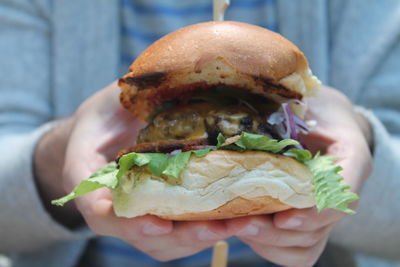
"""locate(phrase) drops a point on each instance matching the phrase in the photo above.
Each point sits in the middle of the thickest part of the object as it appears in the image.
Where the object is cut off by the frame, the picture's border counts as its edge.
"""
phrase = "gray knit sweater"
(54, 54)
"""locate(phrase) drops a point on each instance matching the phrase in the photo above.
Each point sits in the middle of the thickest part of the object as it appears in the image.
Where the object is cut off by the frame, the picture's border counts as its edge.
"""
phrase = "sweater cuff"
(29, 226)
(374, 228)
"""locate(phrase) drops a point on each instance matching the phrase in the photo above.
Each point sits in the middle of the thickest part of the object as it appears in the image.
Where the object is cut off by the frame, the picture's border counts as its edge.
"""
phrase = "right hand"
(100, 128)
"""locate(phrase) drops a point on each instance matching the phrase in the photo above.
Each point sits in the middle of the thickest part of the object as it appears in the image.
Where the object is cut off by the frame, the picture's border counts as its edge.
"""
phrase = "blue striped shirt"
(142, 23)
(145, 21)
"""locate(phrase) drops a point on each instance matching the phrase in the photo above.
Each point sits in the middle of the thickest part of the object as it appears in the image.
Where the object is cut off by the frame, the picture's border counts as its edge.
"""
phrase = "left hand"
(101, 127)
(297, 237)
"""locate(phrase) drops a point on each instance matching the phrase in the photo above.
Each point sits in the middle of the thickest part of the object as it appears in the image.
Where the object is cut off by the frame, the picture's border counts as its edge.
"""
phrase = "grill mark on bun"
(256, 64)
(181, 93)
(143, 102)
(145, 81)
(271, 87)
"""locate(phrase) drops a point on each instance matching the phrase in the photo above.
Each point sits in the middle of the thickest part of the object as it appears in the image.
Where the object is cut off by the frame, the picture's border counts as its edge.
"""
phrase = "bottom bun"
(222, 184)
(237, 207)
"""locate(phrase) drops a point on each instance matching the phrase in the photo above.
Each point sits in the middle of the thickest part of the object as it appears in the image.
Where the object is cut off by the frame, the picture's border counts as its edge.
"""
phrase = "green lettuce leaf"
(109, 175)
(159, 164)
(249, 141)
(301, 155)
(176, 164)
(156, 162)
(106, 176)
(202, 152)
(330, 190)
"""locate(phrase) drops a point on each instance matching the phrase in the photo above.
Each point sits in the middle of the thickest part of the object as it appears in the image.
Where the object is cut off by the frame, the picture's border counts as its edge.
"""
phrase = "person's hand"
(99, 129)
(297, 237)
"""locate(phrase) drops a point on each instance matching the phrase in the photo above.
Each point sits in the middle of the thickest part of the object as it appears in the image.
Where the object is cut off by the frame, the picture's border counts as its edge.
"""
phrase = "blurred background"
(54, 54)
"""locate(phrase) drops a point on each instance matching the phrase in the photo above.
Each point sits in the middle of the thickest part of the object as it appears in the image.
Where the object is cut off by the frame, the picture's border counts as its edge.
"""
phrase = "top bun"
(196, 57)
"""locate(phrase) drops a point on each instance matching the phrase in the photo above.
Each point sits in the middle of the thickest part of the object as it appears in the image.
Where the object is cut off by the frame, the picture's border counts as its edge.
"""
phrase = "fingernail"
(206, 235)
(292, 223)
(249, 230)
(152, 229)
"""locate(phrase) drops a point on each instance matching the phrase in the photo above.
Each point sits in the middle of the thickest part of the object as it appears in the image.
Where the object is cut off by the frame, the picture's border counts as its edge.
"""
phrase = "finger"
(316, 141)
(153, 235)
(187, 238)
(203, 231)
(79, 166)
(143, 226)
(100, 216)
(104, 125)
(291, 256)
(306, 219)
(262, 231)
(355, 159)
(107, 96)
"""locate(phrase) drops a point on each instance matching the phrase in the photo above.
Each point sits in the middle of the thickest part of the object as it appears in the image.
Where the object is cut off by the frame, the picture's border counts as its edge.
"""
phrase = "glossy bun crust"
(196, 57)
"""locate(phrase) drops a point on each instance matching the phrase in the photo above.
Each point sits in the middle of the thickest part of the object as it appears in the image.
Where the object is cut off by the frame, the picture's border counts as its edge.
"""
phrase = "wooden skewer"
(219, 7)
(220, 250)
(220, 254)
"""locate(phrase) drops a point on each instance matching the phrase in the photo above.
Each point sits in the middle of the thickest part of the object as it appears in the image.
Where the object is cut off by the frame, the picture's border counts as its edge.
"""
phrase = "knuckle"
(157, 256)
(310, 222)
(274, 239)
(342, 97)
(183, 243)
(163, 257)
(95, 227)
(312, 239)
(132, 235)
(308, 259)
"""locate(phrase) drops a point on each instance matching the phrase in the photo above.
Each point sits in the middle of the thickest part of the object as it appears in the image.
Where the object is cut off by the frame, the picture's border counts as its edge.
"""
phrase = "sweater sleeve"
(375, 229)
(25, 109)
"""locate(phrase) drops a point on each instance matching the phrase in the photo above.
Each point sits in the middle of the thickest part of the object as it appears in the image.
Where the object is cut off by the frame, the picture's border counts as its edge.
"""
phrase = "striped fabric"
(111, 252)
(143, 22)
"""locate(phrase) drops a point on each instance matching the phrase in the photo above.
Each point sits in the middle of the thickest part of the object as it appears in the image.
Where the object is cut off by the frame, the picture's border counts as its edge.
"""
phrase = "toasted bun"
(223, 184)
(196, 57)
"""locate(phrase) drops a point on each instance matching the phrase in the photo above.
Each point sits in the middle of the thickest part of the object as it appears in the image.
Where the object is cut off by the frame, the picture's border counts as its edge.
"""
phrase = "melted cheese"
(197, 120)
(304, 82)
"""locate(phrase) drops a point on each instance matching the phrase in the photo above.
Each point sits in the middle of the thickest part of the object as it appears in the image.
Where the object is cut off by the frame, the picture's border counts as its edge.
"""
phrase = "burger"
(223, 102)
